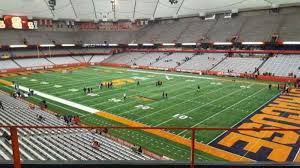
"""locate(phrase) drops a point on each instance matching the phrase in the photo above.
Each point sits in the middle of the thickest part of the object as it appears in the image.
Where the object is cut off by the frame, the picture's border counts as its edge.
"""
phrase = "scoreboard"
(17, 22)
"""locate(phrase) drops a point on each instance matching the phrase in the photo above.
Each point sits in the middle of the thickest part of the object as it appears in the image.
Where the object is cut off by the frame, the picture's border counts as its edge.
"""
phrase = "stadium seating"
(202, 62)
(8, 64)
(62, 60)
(55, 144)
(150, 58)
(249, 26)
(173, 60)
(282, 65)
(32, 62)
(125, 58)
(97, 58)
(238, 65)
(260, 27)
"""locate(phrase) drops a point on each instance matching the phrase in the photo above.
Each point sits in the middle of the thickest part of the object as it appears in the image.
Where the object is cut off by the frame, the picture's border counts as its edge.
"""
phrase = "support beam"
(155, 9)
(134, 9)
(179, 7)
(46, 2)
(15, 147)
(94, 10)
(73, 9)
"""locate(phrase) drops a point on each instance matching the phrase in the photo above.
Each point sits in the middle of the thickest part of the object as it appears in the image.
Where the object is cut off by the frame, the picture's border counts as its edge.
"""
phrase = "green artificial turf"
(221, 102)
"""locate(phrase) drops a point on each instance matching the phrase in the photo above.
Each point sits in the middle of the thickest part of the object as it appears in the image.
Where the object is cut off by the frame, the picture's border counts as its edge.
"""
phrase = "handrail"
(15, 143)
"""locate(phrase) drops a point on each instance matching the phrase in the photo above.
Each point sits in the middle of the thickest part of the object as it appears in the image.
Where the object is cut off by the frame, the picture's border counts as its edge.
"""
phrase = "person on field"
(84, 90)
(270, 86)
(163, 95)
(198, 88)
(166, 95)
(138, 83)
(124, 96)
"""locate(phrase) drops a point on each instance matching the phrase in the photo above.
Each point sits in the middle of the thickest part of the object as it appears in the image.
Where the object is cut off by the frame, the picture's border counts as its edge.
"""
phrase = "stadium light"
(68, 45)
(222, 43)
(18, 46)
(113, 45)
(148, 44)
(168, 44)
(47, 45)
(252, 43)
(133, 44)
(291, 42)
(188, 44)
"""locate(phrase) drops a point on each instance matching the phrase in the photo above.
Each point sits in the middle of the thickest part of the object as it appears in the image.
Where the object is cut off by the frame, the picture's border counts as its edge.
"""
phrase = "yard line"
(201, 106)
(64, 83)
(246, 117)
(214, 90)
(224, 109)
(168, 88)
(170, 74)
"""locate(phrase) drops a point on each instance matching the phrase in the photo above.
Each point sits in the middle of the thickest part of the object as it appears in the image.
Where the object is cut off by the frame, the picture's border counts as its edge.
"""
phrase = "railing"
(194, 145)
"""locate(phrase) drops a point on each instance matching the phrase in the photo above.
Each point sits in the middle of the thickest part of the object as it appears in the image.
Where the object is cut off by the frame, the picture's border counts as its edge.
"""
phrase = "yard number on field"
(181, 116)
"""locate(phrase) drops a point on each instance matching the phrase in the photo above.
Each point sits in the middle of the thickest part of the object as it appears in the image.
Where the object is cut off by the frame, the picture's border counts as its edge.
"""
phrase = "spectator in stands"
(6, 136)
(95, 144)
(140, 150)
(40, 118)
(1, 105)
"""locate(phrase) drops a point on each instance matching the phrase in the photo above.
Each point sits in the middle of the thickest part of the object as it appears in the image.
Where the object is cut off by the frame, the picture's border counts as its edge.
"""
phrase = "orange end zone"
(175, 138)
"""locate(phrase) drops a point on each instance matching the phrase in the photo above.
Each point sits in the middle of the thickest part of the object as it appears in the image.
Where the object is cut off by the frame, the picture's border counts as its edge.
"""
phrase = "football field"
(220, 102)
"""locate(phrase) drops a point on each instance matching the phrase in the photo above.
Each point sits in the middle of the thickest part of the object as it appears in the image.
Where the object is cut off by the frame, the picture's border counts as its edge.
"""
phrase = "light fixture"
(252, 43)
(222, 43)
(188, 44)
(68, 45)
(168, 44)
(18, 46)
(47, 45)
(291, 42)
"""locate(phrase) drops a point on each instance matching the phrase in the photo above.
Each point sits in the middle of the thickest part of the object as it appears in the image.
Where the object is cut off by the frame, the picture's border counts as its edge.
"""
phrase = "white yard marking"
(189, 111)
(139, 78)
(73, 90)
(224, 109)
(44, 83)
(33, 80)
(62, 101)
(245, 87)
(168, 78)
(114, 100)
(246, 117)
(144, 107)
(92, 94)
(214, 90)
(57, 86)
(177, 75)
(182, 117)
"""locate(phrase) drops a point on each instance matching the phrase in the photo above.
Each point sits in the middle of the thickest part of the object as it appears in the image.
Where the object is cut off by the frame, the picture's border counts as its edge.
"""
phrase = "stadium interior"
(149, 83)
